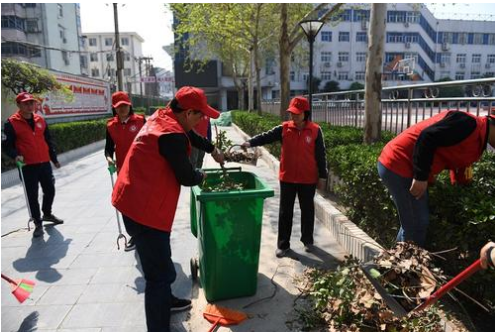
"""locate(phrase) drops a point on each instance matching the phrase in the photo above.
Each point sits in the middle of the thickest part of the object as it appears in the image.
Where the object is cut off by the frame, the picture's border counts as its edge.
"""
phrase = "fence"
(401, 106)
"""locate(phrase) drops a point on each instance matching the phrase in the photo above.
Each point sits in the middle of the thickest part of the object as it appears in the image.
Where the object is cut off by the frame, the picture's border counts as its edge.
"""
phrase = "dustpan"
(222, 316)
(21, 289)
(397, 308)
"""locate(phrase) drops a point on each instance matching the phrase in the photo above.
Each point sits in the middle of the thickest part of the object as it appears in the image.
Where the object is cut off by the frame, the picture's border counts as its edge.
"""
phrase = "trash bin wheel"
(194, 268)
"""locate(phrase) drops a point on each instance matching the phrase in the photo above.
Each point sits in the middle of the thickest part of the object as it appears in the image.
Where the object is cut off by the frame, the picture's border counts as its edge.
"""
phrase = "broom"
(222, 316)
(21, 289)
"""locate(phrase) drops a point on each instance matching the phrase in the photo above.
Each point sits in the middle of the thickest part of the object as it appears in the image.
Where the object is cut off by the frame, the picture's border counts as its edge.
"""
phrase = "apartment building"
(102, 61)
(48, 34)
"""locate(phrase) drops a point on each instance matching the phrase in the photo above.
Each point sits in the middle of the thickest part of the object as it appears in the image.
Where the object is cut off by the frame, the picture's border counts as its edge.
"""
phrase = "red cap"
(298, 105)
(194, 98)
(120, 98)
(23, 97)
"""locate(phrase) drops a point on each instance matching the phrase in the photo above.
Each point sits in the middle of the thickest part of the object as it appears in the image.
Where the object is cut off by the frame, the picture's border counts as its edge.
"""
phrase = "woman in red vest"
(451, 140)
(121, 131)
(303, 166)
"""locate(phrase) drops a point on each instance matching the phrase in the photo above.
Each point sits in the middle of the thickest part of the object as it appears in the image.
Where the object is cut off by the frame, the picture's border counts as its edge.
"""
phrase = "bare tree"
(373, 83)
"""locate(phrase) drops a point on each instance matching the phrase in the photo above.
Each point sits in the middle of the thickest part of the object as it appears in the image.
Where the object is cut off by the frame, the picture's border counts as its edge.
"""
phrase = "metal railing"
(401, 106)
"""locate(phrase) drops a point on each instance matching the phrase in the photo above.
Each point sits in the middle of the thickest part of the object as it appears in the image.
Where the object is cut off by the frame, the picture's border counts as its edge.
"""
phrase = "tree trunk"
(250, 82)
(258, 77)
(240, 99)
(284, 52)
(373, 84)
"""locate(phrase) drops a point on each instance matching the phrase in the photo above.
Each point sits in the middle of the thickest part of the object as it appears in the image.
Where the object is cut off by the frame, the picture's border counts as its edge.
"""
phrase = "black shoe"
(130, 245)
(180, 304)
(281, 252)
(53, 219)
(38, 230)
(309, 247)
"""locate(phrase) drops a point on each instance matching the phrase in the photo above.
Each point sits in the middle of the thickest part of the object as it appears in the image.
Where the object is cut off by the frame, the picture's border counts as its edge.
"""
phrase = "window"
(459, 75)
(360, 75)
(326, 36)
(360, 57)
(490, 74)
(95, 72)
(13, 48)
(34, 52)
(361, 37)
(326, 75)
(412, 17)
(84, 61)
(475, 74)
(478, 38)
(476, 58)
(490, 58)
(65, 57)
(461, 58)
(92, 41)
(13, 22)
(343, 36)
(326, 56)
(462, 38)
(29, 5)
(111, 72)
(445, 58)
(343, 56)
(491, 39)
(109, 57)
(343, 76)
(127, 57)
(292, 76)
(32, 25)
(93, 57)
(108, 41)
(60, 10)
(127, 71)
(124, 41)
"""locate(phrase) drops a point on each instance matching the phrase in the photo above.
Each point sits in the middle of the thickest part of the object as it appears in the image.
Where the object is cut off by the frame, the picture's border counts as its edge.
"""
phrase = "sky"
(153, 21)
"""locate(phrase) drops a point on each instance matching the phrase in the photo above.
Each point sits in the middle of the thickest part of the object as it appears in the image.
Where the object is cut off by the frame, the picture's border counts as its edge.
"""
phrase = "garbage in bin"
(228, 227)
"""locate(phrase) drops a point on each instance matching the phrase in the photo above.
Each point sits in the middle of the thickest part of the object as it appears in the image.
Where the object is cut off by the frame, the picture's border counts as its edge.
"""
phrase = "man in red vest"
(28, 140)
(147, 192)
(303, 167)
(451, 140)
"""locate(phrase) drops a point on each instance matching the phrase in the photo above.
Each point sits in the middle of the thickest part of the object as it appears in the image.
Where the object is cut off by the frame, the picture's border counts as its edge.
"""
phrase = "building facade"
(418, 48)
(47, 34)
(102, 61)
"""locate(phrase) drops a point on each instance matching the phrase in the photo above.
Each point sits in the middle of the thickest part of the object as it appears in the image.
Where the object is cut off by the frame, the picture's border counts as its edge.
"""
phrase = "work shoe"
(53, 219)
(309, 247)
(130, 245)
(38, 230)
(179, 304)
(281, 252)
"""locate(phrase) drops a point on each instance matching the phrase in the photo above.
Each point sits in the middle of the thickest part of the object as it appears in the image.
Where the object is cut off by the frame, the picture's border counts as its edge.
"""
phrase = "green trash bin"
(228, 228)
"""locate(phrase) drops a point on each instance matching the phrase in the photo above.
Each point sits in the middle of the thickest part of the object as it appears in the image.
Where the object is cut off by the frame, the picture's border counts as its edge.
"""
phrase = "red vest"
(298, 161)
(146, 189)
(30, 144)
(123, 134)
(202, 127)
(397, 155)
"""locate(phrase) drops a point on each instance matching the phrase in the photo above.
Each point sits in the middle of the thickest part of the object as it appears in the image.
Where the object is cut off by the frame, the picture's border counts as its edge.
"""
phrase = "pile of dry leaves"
(407, 273)
(346, 301)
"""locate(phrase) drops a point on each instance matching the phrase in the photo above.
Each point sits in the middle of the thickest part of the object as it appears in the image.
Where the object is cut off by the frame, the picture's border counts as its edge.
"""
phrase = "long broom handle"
(4, 277)
(212, 328)
(473, 268)
(20, 164)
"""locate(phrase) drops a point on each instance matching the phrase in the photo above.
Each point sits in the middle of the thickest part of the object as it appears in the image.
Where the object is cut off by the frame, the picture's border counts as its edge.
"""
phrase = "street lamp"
(311, 29)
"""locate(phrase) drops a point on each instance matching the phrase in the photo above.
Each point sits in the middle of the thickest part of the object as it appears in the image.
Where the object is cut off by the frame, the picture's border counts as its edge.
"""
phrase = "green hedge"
(460, 216)
(68, 136)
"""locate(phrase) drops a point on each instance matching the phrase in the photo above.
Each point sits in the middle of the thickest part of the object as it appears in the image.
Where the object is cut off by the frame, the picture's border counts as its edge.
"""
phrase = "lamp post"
(311, 29)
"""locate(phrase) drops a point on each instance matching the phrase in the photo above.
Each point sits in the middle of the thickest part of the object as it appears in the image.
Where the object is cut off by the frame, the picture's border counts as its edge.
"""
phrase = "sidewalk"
(83, 283)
